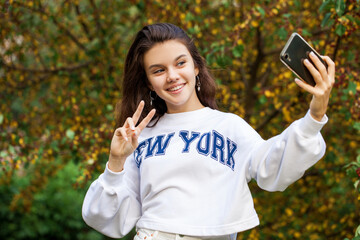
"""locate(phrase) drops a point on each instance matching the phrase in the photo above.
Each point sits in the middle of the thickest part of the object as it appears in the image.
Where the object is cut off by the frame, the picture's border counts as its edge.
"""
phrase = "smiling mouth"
(176, 88)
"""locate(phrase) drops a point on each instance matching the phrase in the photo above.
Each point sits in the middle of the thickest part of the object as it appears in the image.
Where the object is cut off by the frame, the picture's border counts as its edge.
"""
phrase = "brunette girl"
(179, 168)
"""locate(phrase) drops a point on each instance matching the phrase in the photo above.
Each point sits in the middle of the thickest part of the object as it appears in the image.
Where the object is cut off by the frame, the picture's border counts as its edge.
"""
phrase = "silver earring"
(151, 98)
(198, 84)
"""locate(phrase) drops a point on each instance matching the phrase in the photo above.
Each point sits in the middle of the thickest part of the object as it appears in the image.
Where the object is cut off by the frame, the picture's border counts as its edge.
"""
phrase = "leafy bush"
(55, 212)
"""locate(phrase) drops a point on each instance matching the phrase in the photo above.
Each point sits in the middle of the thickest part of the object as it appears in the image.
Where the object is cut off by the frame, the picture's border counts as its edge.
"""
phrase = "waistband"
(147, 234)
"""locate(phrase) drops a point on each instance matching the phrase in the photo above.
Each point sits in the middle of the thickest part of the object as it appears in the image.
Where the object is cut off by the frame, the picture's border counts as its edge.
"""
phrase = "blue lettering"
(158, 144)
(231, 149)
(138, 151)
(218, 147)
(184, 136)
(205, 149)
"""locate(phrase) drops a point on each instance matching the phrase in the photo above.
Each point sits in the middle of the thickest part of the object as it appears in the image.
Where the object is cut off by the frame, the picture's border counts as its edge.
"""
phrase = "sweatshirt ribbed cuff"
(112, 178)
(311, 127)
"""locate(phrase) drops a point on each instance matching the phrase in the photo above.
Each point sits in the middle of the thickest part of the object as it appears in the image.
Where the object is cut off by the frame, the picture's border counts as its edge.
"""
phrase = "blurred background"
(61, 66)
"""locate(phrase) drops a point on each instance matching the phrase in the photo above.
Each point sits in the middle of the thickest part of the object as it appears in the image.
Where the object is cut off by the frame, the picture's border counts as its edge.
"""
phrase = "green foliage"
(61, 63)
(55, 212)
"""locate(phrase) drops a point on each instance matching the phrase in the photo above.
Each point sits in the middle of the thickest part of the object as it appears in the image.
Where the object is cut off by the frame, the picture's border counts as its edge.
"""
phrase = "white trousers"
(147, 234)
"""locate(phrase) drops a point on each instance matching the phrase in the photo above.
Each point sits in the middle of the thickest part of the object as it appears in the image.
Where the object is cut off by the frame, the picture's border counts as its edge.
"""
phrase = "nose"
(172, 75)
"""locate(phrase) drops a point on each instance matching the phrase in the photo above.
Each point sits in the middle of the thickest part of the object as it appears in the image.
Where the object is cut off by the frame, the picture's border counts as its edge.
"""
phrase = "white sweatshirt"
(190, 173)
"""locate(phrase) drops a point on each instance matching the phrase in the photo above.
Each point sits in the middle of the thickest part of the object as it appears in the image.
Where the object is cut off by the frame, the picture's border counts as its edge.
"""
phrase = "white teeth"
(175, 88)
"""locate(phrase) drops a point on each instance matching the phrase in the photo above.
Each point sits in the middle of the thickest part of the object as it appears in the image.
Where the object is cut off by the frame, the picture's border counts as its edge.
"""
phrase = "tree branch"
(276, 112)
(29, 82)
(69, 68)
(267, 120)
(96, 17)
(54, 20)
(337, 46)
(82, 23)
(250, 95)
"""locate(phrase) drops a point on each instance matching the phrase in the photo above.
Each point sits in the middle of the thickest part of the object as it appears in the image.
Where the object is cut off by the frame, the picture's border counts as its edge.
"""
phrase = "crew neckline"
(186, 116)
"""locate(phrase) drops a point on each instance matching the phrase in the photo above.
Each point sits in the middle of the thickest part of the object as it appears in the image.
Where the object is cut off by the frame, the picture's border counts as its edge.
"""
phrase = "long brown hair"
(135, 84)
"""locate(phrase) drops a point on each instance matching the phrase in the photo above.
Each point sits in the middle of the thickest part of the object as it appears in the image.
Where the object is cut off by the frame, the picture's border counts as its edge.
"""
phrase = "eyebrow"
(159, 65)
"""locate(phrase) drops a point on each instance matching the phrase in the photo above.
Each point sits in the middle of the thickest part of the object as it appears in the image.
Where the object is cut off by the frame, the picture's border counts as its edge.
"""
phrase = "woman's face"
(171, 72)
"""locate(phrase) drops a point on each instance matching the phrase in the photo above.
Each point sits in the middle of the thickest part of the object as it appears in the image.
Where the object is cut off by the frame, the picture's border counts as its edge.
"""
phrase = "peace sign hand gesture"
(125, 138)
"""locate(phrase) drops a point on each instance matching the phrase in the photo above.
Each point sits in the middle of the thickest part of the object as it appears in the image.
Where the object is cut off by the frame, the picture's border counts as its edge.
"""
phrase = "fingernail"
(306, 61)
(126, 139)
(312, 53)
(132, 128)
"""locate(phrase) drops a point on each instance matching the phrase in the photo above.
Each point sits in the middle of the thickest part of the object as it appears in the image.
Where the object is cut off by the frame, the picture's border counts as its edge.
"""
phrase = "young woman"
(178, 168)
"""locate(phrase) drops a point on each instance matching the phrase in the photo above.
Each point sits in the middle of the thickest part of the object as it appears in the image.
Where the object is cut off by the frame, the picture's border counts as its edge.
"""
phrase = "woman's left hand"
(324, 79)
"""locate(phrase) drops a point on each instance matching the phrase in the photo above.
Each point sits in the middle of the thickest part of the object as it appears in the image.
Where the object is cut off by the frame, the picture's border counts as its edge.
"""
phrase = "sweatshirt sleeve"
(283, 159)
(112, 202)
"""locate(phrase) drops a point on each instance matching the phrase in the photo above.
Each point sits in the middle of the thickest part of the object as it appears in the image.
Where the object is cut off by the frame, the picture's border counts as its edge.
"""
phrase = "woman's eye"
(158, 71)
(181, 63)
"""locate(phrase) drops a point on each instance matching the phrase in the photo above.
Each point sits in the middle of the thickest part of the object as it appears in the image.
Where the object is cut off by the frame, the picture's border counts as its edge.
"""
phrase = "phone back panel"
(294, 53)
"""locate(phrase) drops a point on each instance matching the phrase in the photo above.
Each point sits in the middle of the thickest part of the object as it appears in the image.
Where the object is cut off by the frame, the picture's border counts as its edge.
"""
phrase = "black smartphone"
(295, 51)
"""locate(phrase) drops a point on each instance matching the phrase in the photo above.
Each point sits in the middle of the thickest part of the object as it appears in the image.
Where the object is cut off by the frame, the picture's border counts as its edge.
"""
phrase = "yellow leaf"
(274, 11)
(254, 23)
(289, 212)
(278, 105)
(268, 93)
(197, 10)
(287, 74)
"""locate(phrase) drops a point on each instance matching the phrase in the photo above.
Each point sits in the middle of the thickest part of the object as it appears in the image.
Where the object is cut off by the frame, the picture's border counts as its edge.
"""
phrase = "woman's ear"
(149, 84)
(151, 87)
(196, 71)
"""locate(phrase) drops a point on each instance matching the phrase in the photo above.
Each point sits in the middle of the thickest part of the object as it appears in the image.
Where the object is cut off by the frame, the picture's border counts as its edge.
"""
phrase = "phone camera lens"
(286, 56)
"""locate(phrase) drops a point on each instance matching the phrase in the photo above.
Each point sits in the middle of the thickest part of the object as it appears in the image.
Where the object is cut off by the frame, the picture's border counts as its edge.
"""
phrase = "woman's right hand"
(125, 138)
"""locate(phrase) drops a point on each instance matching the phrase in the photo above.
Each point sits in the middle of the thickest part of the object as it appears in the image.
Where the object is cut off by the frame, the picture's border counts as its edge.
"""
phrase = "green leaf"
(238, 50)
(357, 232)
(189, 17)
(70, 134)
(1, 118)
(297, 3)
(340, 7)
(11, 149)
(356, 184)
(109, 107)
(224, 61)
(261, 11)
(282, 33)
(325, 6)
(357, 126)
(325, 20)
(306, 33)
(340, 30)
(262, 99)
(351, 87)
(350, 56)
(287, 15)
(3, 154)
